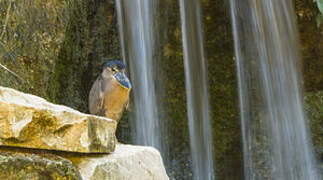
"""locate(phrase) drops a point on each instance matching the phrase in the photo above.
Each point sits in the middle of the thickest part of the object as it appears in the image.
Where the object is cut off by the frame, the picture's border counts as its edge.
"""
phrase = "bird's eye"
(113, 70)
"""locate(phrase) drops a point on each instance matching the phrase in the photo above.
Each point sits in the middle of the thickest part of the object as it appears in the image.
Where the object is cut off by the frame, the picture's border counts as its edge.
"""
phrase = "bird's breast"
(116, 96)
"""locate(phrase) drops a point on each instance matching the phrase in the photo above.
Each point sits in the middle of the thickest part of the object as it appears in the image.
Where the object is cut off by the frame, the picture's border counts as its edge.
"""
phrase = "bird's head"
(117, 69)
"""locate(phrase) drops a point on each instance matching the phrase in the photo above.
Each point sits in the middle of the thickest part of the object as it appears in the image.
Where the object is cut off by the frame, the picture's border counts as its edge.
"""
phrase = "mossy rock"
(22, 166)
(314, 109)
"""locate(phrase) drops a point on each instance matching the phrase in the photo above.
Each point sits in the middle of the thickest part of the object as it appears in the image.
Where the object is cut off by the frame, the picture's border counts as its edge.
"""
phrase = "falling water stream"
(136, 24)
(275, 137)
(196, 89)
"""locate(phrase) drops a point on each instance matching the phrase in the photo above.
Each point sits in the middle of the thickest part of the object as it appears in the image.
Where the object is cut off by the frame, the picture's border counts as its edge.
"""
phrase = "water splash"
(196, 89)
(276, 142)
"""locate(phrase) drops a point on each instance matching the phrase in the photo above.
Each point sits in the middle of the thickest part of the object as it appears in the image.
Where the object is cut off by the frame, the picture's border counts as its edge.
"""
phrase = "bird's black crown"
(115, 63)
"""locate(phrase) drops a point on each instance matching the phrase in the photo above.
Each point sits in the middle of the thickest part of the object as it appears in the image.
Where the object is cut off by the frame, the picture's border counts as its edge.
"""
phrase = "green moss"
(21, 166)
(314, 109)
(90, 40)
(311, 45)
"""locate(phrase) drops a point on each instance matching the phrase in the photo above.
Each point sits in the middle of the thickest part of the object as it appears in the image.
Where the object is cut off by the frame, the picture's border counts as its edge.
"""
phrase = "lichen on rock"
(31, 122)
(22, 166)
(314, 110)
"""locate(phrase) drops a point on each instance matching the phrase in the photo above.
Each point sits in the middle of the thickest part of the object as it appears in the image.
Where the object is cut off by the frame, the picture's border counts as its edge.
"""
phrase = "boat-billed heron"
(109, 94)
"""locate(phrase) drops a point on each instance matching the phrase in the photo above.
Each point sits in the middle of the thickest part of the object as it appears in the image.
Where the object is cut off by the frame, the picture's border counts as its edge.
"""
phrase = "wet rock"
(127, 162)
(31, 122)
(314, 111)
(22, 166)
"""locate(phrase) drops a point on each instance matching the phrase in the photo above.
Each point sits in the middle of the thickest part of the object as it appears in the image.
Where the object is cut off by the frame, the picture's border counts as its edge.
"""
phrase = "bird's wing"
(96, 97)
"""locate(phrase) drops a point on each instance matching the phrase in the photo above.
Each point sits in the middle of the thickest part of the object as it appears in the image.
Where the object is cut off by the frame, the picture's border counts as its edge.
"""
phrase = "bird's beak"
(123, 79)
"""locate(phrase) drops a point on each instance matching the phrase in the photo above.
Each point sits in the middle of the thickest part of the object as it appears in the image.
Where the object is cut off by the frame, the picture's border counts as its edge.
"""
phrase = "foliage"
(319, 17)
(319, 5)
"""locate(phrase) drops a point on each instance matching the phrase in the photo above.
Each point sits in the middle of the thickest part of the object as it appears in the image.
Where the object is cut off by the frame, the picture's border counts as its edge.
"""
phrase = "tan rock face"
(32, 122)
(23, 166)
(127, 163)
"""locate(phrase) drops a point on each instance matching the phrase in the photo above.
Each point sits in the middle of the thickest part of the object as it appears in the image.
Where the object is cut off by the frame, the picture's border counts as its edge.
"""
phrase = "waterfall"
(196, 89)
(138, 40)
(275, 136)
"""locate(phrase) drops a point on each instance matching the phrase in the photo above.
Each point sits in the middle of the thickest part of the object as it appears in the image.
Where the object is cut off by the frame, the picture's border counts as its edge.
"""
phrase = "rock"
(314, 110)
(127, 162)
(22, 166)
(32, 122)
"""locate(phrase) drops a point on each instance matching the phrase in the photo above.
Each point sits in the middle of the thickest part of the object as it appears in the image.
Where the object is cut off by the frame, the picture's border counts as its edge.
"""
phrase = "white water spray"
(137, 35)
(196, 89)
(276, 143)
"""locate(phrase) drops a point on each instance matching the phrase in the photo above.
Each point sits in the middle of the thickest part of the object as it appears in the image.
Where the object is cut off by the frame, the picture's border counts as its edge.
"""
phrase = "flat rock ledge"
(32, 122)
(128, 162)
(23, 166)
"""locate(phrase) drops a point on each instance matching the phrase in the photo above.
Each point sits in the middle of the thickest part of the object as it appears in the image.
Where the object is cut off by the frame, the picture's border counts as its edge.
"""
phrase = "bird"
(109, 94)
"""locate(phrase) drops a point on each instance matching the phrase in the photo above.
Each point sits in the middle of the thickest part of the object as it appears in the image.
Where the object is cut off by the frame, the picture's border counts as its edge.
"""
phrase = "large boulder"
(32, 122)
(127, 162)
(22, 166)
